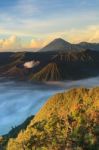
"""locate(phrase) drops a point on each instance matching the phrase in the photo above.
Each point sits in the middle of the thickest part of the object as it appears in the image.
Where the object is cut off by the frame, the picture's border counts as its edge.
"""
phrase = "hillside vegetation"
(68, 121)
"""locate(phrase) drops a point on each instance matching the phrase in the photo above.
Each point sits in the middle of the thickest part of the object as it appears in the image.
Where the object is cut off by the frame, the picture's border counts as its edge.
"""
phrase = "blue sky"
(33, 23)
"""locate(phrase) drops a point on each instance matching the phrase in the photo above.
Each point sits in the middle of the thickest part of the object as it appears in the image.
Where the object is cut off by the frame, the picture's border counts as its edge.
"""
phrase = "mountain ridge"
(70, 61)
(60, 44)
(70, 65)
(88, 45)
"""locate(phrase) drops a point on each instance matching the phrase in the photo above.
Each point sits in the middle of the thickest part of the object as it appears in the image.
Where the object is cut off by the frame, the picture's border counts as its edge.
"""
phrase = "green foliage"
(67, 121)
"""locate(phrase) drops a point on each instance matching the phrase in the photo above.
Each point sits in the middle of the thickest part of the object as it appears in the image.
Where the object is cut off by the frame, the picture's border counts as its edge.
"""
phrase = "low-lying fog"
(18, 100)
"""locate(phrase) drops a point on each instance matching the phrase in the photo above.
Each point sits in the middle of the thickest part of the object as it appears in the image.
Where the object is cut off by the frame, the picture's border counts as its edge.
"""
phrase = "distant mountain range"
(91, 46)
(61, 45)
(59, 60)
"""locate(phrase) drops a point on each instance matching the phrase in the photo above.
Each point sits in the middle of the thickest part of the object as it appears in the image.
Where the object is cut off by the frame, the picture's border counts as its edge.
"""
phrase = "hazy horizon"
(31, 24)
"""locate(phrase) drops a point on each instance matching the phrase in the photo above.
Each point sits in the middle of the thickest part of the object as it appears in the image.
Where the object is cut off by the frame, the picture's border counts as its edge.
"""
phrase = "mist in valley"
(19, 100)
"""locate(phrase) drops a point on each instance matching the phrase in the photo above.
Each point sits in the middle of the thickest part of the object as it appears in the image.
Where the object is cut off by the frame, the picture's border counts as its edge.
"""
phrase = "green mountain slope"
(68, 120)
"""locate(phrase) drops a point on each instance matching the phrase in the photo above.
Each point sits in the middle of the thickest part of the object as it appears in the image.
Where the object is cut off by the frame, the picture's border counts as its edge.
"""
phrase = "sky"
(26, 24)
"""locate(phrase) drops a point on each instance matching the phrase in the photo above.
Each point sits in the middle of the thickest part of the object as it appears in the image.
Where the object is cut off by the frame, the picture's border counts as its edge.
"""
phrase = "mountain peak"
(60, 44)
(60, 40)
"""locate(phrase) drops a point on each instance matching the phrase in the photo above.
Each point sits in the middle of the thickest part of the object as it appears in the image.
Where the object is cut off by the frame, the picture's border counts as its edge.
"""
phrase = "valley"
(28, 81)
(49, 64)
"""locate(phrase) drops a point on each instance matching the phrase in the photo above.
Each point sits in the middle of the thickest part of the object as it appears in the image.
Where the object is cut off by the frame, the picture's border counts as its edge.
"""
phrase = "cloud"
(31, 64)
(94, 33)
(19, 21)
(89, 34)
(26, 8)
(11, 42)
(36, 43)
